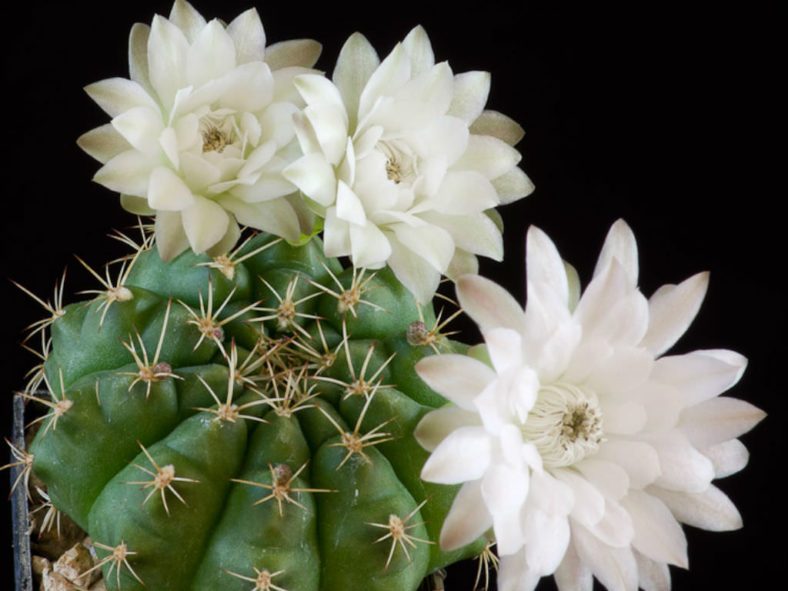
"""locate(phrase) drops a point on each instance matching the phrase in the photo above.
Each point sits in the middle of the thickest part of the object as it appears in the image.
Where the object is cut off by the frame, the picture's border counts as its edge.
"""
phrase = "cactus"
(245, 420)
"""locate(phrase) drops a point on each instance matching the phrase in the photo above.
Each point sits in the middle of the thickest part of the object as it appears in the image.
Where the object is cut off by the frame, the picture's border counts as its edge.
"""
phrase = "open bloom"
(404, 163)
(200, 133)
(581, 444)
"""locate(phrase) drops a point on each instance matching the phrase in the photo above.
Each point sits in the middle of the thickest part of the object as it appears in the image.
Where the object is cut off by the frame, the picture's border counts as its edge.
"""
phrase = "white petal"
(573, 574)
(547, 539)
(210, 56)
(314, 177)
(171, 240)
(489, 304)
(496, 124)
(608, 477)
(657, 533)
(614, 567)
(545, 268)
(457, 377)
(653, 575)
(727, 457)
(432, 244)
(276, 216)
(127, 173)
(116, 95)
(467, 519)
(293, 53)
(504, 347)
(470, 95)
(413, 272)
(719, 419)
(639, 459)
(464, 455)
(684, 468)
(700, 375)
(336, 235)
(620, 245)
(475, 233)
(514, 574)
(205, 223)
(437, 424)
(138, 56)
(167, 51)
(356, 62)
(136, 205)
(671, 310)
(615, 528)
(167, 191)
(246, 31)
(589, 505)
(512, 186)
(711, 509)
(465, 192)
(140, 126)
(103, 143)
(417, 46)
(184, 16)
(329, 123)
(489, 156)
(370, 247)
(392, 73)
(612, 311)
(349, 206)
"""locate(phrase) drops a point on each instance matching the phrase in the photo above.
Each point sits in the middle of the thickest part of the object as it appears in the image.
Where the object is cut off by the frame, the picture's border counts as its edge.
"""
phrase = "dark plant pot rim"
(23, 572)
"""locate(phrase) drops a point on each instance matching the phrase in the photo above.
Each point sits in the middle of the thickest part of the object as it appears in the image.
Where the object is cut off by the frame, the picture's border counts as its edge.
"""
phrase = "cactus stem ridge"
(262, 582)
(113, 291)
(296, 396)
(226, 263)
(59, 406)
(118, 557)
(25, 461)
(398, 532)
(163, 479)
(149, 371)
(349, 298)
(55, 310)
(228, 411)
(281, 479)
(419, 335)
(354, 441)
(487, 559)
(286, 312)
(207, 321)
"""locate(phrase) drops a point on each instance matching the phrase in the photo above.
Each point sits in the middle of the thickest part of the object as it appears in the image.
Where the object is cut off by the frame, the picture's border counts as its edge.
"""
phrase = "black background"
(655, 112)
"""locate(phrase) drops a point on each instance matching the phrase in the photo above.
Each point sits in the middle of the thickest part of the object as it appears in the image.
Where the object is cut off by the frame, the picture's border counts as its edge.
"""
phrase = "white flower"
(582, 445)
(404, 163)
(200, 133)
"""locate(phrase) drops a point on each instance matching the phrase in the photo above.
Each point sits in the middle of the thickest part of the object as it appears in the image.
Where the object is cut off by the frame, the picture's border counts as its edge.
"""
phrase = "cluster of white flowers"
(396, 160)
(577, 441)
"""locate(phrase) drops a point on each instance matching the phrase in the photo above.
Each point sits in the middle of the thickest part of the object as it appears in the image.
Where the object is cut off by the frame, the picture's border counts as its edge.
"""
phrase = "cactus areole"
(246, 422)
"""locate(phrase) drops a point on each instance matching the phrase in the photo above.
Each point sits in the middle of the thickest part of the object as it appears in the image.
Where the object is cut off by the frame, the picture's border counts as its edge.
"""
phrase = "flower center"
(214, 139)
(565, 424)
(401, 163)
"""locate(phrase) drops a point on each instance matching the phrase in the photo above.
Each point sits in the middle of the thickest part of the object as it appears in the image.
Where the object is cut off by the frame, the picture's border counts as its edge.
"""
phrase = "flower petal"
(671, 310)
(711, 509)
(467, 519)
(457, 377)
(719, 419)
(657, 533)
(464, 455)
(489, 304)
(248, 36)
(437, 424)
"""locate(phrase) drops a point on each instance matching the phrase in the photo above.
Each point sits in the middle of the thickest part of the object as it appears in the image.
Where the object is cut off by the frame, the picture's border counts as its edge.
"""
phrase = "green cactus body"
(246, 422)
